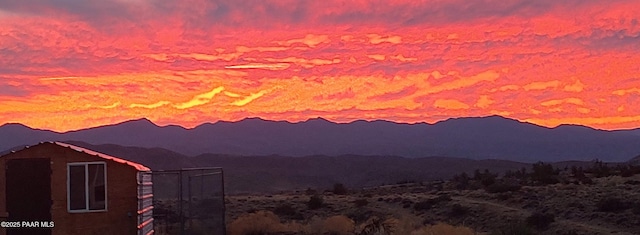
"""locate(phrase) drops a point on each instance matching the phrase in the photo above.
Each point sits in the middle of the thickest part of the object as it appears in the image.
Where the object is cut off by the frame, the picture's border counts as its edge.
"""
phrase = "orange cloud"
(622, 92)
(207, 57)
(277, 66)
(311, 40)
(248, 99)
(571, 100)
(506, 88)
(231, 94)
(200, 99)
(450, 104)
(244, 49)
(591, 121)
(462, 82)
(150, 106)
(74, 61)
(114, 105)
(377, 57)
(377, 39)
(541, 85)
(575, 87)
(484, 102)
(306, 63)
(583, 110)
(403, 59)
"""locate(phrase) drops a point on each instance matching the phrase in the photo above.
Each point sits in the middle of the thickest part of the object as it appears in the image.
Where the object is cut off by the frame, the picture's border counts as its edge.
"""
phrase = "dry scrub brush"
(443, 229)
(266, 222)
(334, 225)
(260, 222)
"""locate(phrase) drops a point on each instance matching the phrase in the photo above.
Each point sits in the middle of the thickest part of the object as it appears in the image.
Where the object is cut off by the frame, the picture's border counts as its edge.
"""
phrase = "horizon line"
(315, 118)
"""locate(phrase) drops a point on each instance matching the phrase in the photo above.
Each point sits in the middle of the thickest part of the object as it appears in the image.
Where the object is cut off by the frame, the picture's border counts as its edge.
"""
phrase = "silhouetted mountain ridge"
(492, 137)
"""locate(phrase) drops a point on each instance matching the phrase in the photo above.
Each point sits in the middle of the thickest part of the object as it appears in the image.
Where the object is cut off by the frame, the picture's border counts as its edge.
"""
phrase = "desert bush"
(427, 204)
(293, 227)
(261, 222)
(502, 187)
(443, 229)
(310, 192)
(599, 169)
(361, 202)
(517, 228)
(315, 202)
(632, 182)
(334, 225)
(486, 178)
(423, 205)
(628, 170)
(504, 196)
(461, 181)
(287, 211)
(611, 204)
(361, 215)
(338, 225)
(377, 226)
(284, 210)
(314, 226)
(544, 174)
(636, 208)
(509, 174)
(442, 198)
(406, 182)
(339, 189)
(586, 180)
(540, 220)
(577, 172)
(458, 210)
(521, 174)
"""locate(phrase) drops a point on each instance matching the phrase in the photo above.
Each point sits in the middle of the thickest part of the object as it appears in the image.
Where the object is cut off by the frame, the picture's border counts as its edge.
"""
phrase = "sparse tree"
(339, 189)
(461, 181)
(315, 202)
(544, 173)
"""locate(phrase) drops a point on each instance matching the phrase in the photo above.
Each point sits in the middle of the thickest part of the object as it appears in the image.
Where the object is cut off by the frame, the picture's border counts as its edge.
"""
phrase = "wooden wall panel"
(120, 217)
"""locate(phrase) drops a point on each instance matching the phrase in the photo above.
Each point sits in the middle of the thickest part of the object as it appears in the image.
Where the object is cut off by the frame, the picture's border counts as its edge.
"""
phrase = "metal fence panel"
(189, 201)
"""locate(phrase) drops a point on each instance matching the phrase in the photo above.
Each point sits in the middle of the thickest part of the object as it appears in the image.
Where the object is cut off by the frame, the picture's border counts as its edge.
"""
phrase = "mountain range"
(492, 137)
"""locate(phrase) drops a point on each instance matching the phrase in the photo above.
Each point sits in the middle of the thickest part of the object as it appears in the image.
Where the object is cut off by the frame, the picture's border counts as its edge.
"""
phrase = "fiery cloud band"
(89, 63)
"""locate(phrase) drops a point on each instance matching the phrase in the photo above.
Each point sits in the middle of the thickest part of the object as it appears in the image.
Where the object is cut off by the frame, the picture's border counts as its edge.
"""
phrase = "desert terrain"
(596, 200)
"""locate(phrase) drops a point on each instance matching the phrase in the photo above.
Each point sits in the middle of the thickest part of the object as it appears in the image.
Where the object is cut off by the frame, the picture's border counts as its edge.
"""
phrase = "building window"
(86, 187)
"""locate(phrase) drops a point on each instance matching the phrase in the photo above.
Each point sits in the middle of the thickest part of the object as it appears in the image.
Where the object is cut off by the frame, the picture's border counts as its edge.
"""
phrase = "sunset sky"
(67, 65)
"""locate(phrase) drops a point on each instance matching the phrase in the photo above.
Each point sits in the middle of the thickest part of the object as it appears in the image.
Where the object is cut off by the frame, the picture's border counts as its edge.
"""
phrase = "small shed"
(58, 188)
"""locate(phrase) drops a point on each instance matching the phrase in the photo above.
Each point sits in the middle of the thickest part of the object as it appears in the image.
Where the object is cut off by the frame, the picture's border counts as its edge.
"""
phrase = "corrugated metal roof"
(138, 166)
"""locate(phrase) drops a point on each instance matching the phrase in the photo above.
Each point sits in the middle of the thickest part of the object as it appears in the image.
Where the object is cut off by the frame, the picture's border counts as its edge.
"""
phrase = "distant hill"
(492, 137)
(252, 174)
(255, 174)
(635, 161)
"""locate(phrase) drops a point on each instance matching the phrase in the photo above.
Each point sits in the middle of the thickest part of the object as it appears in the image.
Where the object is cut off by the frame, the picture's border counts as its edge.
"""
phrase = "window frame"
(86, 187)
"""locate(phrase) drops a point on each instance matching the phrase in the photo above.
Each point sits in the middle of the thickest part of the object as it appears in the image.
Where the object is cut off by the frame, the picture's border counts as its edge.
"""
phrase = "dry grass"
(573, 204)
(256, 223)
(339, 225)
(443, 229)
(266, 222)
